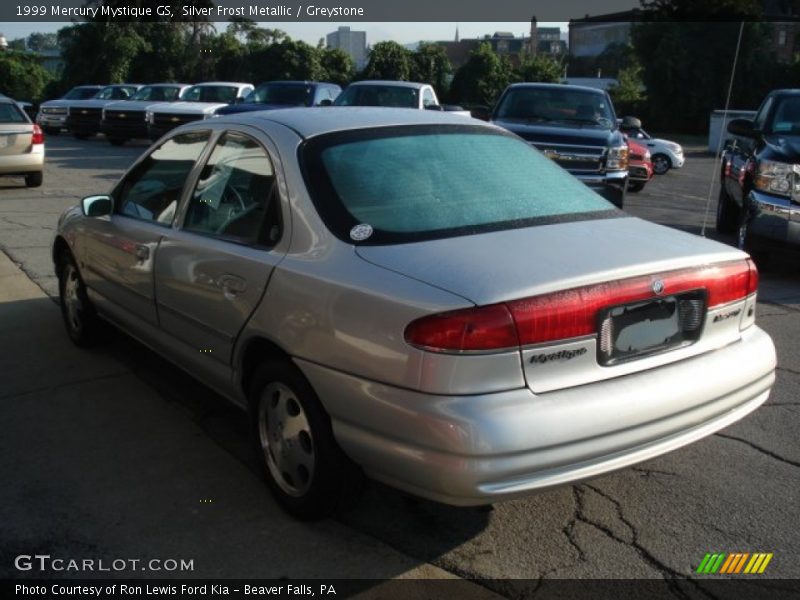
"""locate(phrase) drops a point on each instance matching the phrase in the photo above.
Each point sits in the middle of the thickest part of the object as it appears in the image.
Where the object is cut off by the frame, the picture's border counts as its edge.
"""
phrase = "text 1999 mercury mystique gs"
(423, 296)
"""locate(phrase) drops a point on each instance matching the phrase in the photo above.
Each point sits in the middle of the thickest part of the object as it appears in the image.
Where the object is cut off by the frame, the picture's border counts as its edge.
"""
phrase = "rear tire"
(81, 136)
(305, 469)
(51, 130)
(34, 179)
(635, 186)
(728, 213)
(83, 325)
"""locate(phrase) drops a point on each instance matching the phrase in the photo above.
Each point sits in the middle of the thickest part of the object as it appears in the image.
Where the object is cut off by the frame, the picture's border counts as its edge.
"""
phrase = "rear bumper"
(17, 164)
(774, 217)
(471, 450)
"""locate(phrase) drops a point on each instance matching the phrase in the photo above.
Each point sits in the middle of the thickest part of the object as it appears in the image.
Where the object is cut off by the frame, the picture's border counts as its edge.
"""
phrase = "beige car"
(21, 144)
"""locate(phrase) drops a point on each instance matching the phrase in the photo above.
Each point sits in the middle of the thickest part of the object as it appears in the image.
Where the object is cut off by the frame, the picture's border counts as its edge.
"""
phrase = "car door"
(212, 271)
(119, 251)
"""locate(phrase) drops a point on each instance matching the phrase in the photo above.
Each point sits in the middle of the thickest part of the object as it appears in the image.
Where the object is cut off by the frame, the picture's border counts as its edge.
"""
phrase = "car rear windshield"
(290, 95)
(379, 95)
(409, 183)
(11, 113)
(556, 105)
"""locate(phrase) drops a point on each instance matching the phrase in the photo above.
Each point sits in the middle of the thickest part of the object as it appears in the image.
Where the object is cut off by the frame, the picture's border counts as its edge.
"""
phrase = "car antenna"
(715, 170)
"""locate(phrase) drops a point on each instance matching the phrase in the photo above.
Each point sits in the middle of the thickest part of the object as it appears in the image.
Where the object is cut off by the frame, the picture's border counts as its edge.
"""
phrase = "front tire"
(117, 141)
(635, 186)
(661, 163)
(728, 212)
(305, 469)
(83, 325)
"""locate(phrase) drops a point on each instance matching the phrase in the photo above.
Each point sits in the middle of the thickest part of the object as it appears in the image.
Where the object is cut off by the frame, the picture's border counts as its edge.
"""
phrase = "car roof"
(209, 83)
(406, 84)
(556, 86)
(310, 122)
(6, 100)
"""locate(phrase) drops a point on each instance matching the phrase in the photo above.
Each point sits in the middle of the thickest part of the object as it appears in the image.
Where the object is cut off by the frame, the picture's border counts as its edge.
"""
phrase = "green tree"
(429, 64)
(17, 44)
(337, 66)
(289, 59)
(98, 52)
(22, 76)
(42, 41)
(388, 60)
(482, 78)
(540, 67)
(682, 88)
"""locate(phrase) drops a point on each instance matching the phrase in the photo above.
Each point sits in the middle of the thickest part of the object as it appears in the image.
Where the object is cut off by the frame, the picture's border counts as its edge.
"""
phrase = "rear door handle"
(231, 285)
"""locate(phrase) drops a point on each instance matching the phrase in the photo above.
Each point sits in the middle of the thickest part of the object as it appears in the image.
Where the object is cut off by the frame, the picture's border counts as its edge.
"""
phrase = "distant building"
(352, 42)
(3, 42)
(542, 40)
(52, 61)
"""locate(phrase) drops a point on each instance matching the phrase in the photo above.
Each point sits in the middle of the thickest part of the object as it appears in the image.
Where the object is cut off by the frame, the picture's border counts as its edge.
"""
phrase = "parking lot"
(113, 452)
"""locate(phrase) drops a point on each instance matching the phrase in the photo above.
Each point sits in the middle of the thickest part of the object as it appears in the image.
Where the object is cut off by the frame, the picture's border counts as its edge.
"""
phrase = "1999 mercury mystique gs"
(424, 296)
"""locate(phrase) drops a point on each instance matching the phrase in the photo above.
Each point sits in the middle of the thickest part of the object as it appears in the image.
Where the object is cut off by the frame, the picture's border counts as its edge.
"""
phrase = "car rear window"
(379, 95)
(422, 182)
(11, 113)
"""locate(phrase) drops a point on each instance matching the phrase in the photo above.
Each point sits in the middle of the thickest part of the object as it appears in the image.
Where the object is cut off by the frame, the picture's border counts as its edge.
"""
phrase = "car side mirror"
(483, 113)
(325, 102)
(742, 128)
(97, 206)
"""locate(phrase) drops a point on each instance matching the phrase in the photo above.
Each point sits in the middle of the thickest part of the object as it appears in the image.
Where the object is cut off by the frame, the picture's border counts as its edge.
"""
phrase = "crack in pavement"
(670, 575)
(650, 472)
(759, 449)
(63, 384)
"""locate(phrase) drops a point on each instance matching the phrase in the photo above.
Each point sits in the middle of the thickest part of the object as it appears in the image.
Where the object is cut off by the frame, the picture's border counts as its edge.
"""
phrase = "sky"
(403, 33)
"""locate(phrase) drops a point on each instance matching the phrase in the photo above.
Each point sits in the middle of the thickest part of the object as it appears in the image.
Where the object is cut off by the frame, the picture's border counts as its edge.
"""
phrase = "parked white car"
(197, 103)
(395, 94)
(665, 154)
(52, 115)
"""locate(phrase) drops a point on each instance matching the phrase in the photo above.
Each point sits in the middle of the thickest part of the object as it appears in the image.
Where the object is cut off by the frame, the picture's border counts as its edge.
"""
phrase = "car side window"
(236, 196)
(151, 191)
(427, 98)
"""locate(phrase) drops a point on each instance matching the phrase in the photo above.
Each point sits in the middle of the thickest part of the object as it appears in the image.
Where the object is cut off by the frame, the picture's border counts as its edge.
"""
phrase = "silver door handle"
(142, 252)
(232, 284)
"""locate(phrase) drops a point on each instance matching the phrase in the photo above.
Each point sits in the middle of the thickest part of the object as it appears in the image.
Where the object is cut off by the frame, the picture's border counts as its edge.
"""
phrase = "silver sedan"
(417, 296)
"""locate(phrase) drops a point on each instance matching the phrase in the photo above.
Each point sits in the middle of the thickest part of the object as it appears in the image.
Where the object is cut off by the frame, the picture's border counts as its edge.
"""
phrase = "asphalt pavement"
(114, 452)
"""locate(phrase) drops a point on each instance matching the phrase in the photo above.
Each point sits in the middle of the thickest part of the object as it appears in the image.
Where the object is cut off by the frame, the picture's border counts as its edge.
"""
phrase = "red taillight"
(572, 313)
(472, 329)
(38, 135)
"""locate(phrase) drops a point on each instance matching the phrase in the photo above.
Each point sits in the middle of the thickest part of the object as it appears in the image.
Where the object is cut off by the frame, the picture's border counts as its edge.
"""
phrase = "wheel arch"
(60, 248)
(254, 351)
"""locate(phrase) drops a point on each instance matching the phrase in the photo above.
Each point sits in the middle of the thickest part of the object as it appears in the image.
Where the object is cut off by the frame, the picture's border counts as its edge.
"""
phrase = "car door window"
(761, 118)
(236, 196)
(151, 191)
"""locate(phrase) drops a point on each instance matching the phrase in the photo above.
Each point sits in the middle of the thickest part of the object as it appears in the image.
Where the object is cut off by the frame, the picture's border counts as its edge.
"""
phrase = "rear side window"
(421, 183)
(236, 196)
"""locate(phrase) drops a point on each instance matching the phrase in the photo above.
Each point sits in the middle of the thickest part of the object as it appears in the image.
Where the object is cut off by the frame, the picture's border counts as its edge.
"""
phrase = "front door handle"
(231, 285)
(142, 252)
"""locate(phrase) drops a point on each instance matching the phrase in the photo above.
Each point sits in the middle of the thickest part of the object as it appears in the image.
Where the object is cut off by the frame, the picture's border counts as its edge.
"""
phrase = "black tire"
(83, 325)
(51, 130)
(635, 186)
(34, 179)
(81, 136)
(728, 212)
(752, 244)
(305, 469)
(117, 141)
(661, 163)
